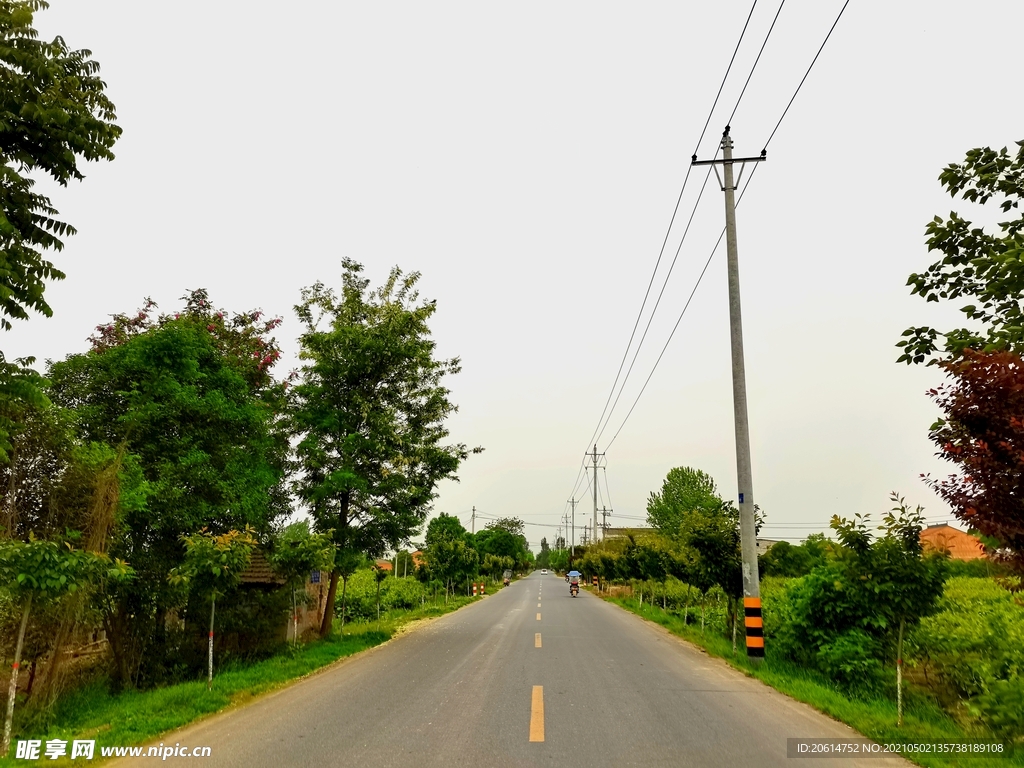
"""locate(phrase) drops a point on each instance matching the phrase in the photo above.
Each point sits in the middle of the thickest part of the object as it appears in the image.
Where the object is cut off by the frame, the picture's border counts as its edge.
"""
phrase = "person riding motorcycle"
(573, 577)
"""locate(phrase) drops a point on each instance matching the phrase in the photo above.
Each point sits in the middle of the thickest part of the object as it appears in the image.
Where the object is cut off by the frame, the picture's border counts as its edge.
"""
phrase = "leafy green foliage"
(369, 412)
(986, 269)
(785, 559)
(221, 467)
(21, 390)
(47, 569)
(298, 552)
(973, 639)
(53, 113)
(444, 527)
(850, 610)
(684, 490)
(214, 562)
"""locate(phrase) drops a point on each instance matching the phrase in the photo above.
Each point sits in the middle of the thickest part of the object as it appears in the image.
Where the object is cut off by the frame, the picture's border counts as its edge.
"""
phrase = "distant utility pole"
(594, 456)
(572, 551)
(604, 521)
(472, 521)
(748, 533)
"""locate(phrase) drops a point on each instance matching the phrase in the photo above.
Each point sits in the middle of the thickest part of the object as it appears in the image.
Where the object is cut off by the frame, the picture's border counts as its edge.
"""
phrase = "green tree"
(544, 557)
(21, 391)
(40, 572)
(852, 614)
(54, 114)
(445, 527)
(297, 553)
(450, 561)
(369, 413)
(684, 490)
(189, 400)
(213, 564)
(788, 560)
(980, 267)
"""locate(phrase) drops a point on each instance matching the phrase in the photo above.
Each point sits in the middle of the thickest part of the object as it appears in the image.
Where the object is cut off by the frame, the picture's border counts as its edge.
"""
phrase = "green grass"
(923, 719)
(138, 717)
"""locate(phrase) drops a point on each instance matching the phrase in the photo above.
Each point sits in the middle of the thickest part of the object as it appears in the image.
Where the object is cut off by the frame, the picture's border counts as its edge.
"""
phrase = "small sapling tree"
(296, 555)
(213, 564)
(42, 571)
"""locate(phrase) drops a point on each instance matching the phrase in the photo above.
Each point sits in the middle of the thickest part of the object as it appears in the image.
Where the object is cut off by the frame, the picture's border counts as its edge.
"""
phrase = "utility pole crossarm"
(723, 161)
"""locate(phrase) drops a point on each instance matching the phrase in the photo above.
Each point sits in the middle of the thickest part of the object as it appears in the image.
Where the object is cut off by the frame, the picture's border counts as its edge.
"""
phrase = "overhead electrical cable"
(749, 178)
(804, 78)
(751, 73)
(657, 303)
(668, 231)
(681, 314)
(602, 421)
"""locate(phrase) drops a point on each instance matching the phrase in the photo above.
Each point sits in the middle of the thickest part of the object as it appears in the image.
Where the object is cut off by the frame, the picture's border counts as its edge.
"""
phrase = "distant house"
(621, 533)
(763, 545)
(958, 544)
(385, 565)
(260, 575)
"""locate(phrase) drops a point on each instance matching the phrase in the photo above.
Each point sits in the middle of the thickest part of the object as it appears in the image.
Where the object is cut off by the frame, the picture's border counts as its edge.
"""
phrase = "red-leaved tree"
(982, 432)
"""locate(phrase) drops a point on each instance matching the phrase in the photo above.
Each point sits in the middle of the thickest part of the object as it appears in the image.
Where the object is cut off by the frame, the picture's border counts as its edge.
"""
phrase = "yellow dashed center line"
(538, 616)
(536, 640)
(537, 714)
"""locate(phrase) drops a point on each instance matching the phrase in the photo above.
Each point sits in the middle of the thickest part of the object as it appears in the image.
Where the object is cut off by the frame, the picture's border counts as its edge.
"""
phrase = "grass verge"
(923, 720)
(138, 717)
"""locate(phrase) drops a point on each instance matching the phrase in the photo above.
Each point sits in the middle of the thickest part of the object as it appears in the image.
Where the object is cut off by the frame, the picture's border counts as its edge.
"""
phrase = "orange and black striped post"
(755, 627)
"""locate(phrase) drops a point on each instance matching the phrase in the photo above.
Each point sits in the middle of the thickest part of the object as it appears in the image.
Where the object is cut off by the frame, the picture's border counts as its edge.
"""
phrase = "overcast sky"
(526, 158)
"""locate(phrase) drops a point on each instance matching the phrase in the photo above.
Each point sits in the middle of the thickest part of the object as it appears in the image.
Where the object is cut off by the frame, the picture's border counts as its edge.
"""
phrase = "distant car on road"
(543, 570)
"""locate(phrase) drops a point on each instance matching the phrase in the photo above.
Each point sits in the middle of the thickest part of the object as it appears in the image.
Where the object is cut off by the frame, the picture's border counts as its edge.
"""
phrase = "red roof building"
(945, 538)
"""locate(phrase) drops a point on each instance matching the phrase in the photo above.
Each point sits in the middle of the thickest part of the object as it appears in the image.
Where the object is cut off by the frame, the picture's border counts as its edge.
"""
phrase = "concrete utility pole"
(604, 521)
(745, 483)
(472, 522)
(594, 456)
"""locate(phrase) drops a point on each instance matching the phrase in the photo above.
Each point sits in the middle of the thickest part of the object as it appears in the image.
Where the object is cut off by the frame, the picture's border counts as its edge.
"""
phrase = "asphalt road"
(526, 677)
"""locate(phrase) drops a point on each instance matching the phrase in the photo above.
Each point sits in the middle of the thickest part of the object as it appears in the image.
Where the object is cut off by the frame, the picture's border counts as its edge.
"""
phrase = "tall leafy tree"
(981, 268)
(189, 399)
(369, 413)
(54, 113)
(684, 490)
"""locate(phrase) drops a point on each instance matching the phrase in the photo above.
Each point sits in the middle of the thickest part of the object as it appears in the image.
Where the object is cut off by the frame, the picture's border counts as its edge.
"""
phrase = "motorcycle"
(574, 589)
(506, 582)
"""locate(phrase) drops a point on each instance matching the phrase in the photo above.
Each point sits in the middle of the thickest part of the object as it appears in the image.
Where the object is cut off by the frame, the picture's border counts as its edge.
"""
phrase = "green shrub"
(851, 659)
(974, 639)
(1002, 709)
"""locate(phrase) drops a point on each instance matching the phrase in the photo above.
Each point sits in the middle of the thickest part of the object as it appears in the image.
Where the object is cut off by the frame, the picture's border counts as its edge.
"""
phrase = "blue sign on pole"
(741, 498)
(314, 577)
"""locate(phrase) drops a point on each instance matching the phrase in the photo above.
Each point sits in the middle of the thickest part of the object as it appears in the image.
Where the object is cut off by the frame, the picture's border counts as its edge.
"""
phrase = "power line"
(661, 253)
(751, 74)
(657, 303)
(679, 320)
(801, 85)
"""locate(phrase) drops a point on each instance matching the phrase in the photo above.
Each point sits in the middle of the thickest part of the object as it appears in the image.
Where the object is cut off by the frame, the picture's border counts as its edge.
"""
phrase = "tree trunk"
(378, 605)
(295, 619)
(344, 591)
(209, 662)
(899, 674)
(332, 592)
(13, 687)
